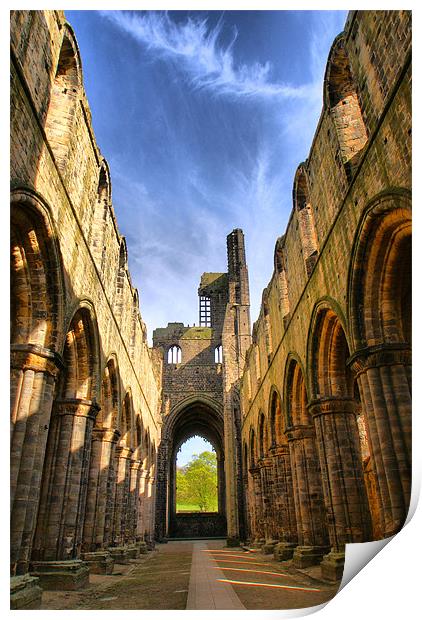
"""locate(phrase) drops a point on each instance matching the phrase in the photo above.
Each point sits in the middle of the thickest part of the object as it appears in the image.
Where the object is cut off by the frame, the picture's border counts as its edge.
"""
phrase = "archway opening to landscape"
(196, 476)
(201, 513)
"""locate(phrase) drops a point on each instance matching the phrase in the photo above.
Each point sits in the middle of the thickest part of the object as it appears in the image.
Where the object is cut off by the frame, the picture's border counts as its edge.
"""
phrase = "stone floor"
(199, 575)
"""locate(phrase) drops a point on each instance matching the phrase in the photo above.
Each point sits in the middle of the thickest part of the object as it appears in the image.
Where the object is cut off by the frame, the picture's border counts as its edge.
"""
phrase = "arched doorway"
(196, 476)
(197, 417)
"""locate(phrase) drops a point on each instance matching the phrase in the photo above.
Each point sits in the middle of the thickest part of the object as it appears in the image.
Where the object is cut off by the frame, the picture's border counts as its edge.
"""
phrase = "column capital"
(35, 357)
(266, 461)
(300, 431)
(278, 450)
(255, 471)
(332, 405)
(124, 452)
(78, 407)
(110, 435)
(386, 354)
(135, 464)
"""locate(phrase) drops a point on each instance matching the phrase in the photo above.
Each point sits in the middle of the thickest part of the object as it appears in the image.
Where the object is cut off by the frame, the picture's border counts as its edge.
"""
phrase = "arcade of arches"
(309, 412)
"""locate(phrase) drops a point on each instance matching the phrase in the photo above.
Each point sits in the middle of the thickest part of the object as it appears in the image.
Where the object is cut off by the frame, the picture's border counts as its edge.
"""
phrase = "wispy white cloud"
(197, 50)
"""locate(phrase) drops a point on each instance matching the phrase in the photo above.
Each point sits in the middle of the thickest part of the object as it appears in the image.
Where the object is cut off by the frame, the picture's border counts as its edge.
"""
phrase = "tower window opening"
(174, 355)
(218, 354)
(205, 311)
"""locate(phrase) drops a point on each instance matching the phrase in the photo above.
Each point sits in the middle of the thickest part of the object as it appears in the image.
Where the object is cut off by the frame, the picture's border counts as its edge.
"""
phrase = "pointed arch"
(276, 419)
(120, 279)
(65, 93)
(174, 355)
(134, 322)
(329, 352)
(379, 291)
(295, 394)
(126, 427)
(99, 219)
(262, 436)
(267, 325)
(146, 449)
(109, 416)
(36, 274)
(342, 101)
(280, 268)
(81, 355)
(138, 440)
(252, 449)
(218, 354)
(305, 215)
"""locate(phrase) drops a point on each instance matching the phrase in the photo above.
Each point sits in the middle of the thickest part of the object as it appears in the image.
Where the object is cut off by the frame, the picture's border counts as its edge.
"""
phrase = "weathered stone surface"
(66, 575)
(85, 386)
(328, 372)
(25, 592)
(310, 417)
(99, 562)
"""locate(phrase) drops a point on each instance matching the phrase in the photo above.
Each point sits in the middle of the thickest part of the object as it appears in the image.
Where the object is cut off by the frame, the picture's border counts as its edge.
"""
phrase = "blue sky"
(194, 445)
(203, 117)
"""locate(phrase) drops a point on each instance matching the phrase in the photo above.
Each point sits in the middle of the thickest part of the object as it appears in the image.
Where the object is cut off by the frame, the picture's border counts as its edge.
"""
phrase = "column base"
(119, 554)
(305, 556)
(332, 566)
(61, 575)
(25, 592)
(99, 562)
(269, 546)
(133, 552)
(143, 547)
(232, 542)
(284, 551)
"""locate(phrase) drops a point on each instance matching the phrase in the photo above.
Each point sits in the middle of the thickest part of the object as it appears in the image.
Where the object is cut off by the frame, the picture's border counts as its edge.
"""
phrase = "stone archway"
(197, 416)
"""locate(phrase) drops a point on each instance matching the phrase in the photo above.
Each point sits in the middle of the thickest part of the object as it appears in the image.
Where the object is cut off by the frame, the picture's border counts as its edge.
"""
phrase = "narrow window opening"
(174, 355)
(218, 354)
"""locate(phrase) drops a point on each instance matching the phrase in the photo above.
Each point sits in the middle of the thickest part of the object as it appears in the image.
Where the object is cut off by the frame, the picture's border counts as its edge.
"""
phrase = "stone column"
(246, 505)
(266, 470)
(98, 500)
(162, 524)
(34, 372)
(384, 377)
(284, 503)
(346, 503)
(58, 538)
(140, 503)
(123, 457)
(258, 526)
(143, 504)
(152, 512)
(147, 505)
(133, 506)
(221, 485)
(307, 489)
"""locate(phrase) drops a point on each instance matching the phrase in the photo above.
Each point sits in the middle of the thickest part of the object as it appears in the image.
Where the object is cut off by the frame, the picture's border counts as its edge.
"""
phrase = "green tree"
(197, 482)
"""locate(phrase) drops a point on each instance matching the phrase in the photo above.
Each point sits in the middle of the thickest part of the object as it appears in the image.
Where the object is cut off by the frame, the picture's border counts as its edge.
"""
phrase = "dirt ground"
(160, 580)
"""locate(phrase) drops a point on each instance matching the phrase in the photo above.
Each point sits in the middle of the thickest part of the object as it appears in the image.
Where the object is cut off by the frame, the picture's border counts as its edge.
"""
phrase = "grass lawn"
(193, 508)
(187, 508)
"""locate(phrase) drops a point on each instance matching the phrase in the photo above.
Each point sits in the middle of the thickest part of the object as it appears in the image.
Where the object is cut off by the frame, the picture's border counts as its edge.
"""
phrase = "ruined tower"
(201, 369)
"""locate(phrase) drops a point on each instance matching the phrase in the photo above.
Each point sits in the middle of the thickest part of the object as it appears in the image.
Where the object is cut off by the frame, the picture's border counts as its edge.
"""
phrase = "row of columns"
(309, 494)
(79, 500)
